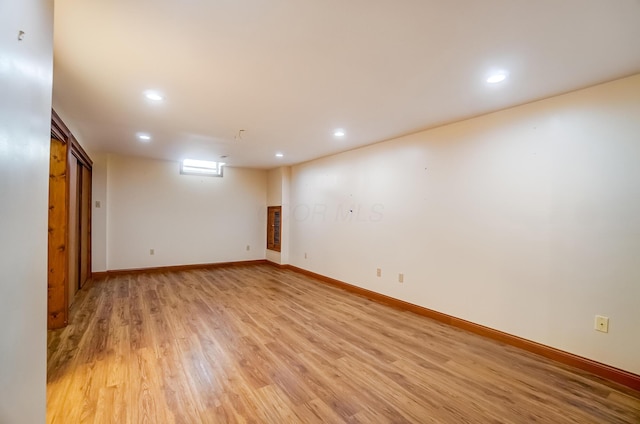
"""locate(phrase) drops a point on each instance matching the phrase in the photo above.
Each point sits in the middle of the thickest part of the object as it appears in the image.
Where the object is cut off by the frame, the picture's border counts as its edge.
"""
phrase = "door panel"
(85, 226)
(58, 262)
(74, 226)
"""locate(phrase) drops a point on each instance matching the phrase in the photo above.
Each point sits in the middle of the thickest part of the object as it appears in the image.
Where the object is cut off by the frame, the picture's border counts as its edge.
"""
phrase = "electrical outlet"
(248, 248)
(305, 255)
(98, 205)
(379, 272)
(152, 251)
(602, 323)
(401, 278)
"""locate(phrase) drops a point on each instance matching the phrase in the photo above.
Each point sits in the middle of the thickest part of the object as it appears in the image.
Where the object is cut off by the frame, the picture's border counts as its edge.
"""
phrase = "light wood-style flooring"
(256, 344)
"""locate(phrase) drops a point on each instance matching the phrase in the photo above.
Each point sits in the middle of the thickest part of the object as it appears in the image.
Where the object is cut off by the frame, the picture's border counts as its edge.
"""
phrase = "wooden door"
(75, 175)
(58, 233)
(69, 262)
(85, 227)
(79, 226)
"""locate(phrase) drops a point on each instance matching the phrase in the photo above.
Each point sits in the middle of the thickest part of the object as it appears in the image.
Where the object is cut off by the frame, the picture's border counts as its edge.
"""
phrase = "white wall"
(278, 194)
(274, 187)
(526, 220)
(99, 214)
(285, 236)
(25, 121)
(274, 198)
(148, 204)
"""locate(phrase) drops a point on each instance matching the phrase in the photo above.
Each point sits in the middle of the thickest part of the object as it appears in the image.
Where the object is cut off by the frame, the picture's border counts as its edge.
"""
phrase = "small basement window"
(201, 167)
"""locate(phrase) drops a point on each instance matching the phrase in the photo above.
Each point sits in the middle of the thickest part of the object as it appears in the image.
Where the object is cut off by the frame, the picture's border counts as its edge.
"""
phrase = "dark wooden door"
(274, 223)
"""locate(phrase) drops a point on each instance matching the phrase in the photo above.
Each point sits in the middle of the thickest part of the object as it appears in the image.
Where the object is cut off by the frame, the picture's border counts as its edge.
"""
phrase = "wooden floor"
(258, 344)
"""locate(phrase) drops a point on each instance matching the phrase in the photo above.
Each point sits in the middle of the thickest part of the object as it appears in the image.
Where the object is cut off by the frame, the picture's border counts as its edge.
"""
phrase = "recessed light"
(339, 132)
(497, 77)
(279, 155)
(144, 137)
(153, 95)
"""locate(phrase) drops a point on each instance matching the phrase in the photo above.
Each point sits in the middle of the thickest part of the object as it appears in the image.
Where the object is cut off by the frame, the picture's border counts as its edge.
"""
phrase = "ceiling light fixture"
(497, 77)
(153, 95)
(339, 132)
(279, 155)
(144, 137)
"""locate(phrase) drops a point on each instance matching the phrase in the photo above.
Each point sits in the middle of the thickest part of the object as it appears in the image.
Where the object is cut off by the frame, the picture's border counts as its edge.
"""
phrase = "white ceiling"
(289, 72)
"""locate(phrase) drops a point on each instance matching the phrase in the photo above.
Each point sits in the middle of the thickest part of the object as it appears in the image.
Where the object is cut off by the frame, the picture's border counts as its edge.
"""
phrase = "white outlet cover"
(602, 323)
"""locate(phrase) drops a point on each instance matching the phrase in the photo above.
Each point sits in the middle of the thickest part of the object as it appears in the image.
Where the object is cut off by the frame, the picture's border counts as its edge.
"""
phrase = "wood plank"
(590, 366)
(258, 344)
